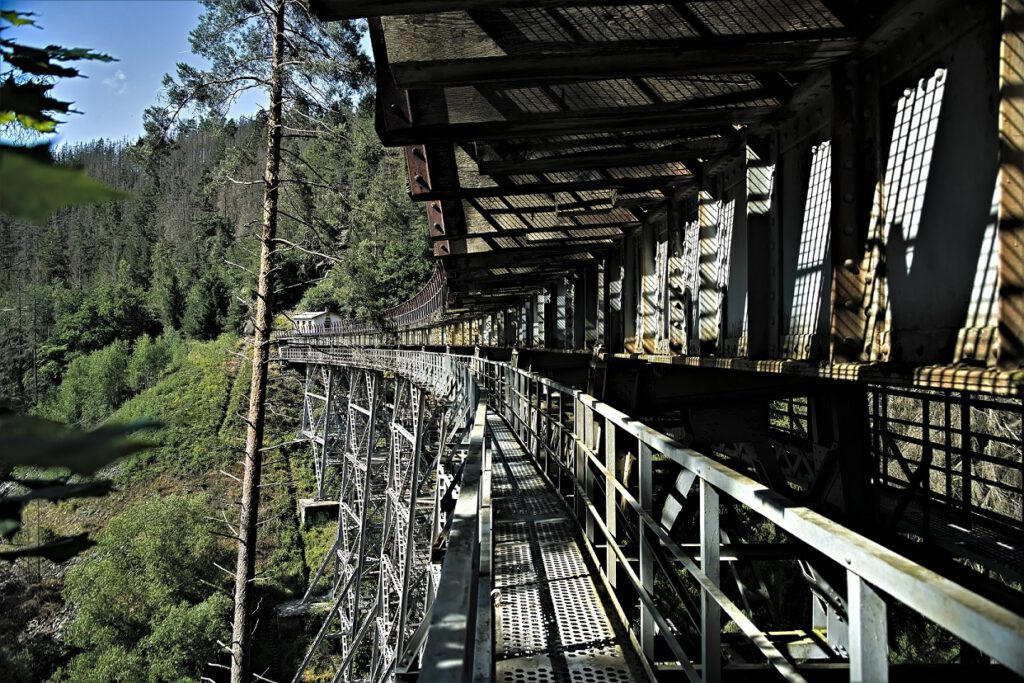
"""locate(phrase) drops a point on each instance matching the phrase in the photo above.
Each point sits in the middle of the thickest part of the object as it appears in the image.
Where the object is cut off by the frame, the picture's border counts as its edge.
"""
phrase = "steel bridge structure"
(720, 374)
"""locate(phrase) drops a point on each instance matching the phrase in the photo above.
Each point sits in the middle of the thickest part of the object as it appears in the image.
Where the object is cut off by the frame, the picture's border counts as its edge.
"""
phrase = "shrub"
(147, 602)
(151, 357)
(94, 386)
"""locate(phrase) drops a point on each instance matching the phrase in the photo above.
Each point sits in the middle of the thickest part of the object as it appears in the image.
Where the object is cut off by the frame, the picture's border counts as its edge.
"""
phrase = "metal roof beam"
(683, 153)
(680, 120)
(622, 185)
(794, 51)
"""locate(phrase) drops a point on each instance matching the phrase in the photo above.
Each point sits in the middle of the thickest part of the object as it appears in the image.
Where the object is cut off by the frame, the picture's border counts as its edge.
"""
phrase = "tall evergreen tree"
(307, 70)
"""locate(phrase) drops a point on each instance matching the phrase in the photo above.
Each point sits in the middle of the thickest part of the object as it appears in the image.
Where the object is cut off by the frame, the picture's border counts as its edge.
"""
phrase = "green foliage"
(232, 35)
(34, 189)
(205, 308)
(147, 608)
(24, 91)
(110, 304)
(150, 358)
(38, 442)
(31, 187)
(189, 400)
(167, 298)
(94, 385)
(113, 312)
(318, 540)
(387, 256)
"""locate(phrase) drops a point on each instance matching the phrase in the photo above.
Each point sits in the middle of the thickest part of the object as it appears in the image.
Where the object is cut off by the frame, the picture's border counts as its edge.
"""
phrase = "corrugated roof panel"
(751, 17)
(627, 22)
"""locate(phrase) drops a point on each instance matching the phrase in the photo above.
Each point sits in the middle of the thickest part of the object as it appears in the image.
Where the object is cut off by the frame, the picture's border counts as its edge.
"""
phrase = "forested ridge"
(173, 257)
(140, 310)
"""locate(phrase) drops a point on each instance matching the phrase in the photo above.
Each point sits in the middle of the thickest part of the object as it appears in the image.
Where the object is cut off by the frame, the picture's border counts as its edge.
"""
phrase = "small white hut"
(317, 322)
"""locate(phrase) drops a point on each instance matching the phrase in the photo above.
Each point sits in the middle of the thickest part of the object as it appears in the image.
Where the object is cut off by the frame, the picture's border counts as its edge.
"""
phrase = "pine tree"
(307, 70)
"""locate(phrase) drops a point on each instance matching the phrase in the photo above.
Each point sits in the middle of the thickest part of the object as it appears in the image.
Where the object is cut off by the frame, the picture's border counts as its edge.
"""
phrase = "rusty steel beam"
(522, 232)
(470, 279)
(608, 142)
(564, 245)
(424, 163)
(516, 258)
(553, 207)
(679, 120)
(684, 153)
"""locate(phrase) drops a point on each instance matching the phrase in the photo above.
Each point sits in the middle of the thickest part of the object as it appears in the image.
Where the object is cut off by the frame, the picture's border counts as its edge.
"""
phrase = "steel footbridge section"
(551, 620)
(542, 535)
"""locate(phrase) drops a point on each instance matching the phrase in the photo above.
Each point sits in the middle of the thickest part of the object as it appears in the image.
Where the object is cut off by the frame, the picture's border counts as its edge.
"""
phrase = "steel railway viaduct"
(720, 374)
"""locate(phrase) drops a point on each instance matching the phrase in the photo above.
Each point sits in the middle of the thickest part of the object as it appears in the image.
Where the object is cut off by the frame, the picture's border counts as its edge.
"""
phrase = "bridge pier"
(388, 460)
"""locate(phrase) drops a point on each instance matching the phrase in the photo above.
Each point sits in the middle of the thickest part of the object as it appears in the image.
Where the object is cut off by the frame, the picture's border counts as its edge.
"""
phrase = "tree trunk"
(241, 637)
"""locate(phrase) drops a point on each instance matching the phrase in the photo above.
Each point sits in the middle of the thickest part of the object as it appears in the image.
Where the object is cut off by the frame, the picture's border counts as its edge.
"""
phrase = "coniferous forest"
(137, 315)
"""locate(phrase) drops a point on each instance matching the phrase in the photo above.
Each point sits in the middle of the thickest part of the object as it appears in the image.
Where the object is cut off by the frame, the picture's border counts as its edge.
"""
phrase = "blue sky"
(148, 37)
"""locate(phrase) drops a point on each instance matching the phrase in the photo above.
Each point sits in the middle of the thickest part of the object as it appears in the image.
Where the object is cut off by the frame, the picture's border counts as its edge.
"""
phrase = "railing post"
(536, 422)
(580, 460)
(483, 659)
(710, 610)
(517, 397)
(646, 483)
(589, 443)
(560, 441)
(869, 643)
(610, 519)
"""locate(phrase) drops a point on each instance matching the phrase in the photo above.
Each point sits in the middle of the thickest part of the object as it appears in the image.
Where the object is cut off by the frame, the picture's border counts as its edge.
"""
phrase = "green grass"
(189, 401)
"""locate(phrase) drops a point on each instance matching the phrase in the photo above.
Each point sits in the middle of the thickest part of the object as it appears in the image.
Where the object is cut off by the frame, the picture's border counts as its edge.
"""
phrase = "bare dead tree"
(245, 567)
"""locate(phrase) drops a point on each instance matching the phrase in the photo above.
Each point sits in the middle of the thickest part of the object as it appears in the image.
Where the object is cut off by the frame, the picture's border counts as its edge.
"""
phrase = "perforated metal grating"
(551, 620)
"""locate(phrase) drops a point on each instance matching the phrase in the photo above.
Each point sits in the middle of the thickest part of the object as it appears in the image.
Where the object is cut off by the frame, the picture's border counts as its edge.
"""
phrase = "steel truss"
(324, 423)
(387, 446)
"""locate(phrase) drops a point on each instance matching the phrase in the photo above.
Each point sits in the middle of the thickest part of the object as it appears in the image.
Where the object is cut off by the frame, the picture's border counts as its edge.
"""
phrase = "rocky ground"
(32, 615)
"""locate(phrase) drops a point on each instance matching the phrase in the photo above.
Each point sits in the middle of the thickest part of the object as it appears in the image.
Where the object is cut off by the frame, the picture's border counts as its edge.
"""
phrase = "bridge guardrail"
(459, 639)
(575, 439)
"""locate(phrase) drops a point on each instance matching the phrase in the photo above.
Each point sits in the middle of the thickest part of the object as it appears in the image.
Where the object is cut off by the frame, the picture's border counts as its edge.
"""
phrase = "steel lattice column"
(324, 422)
(356, 550)
(390, 469)
(403, 572)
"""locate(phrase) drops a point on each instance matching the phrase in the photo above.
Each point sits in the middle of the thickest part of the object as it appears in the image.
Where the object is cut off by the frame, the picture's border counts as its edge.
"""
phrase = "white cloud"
(118, 83)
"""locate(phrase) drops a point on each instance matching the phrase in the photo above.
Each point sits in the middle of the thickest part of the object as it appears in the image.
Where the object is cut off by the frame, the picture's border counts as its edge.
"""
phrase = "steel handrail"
(461, 609)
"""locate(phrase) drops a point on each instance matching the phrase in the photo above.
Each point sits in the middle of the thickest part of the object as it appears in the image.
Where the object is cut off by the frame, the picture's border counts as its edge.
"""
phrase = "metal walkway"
(551, 620)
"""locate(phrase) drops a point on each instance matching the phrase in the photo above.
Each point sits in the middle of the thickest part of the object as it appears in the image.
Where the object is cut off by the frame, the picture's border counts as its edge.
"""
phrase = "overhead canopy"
(540, 132)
